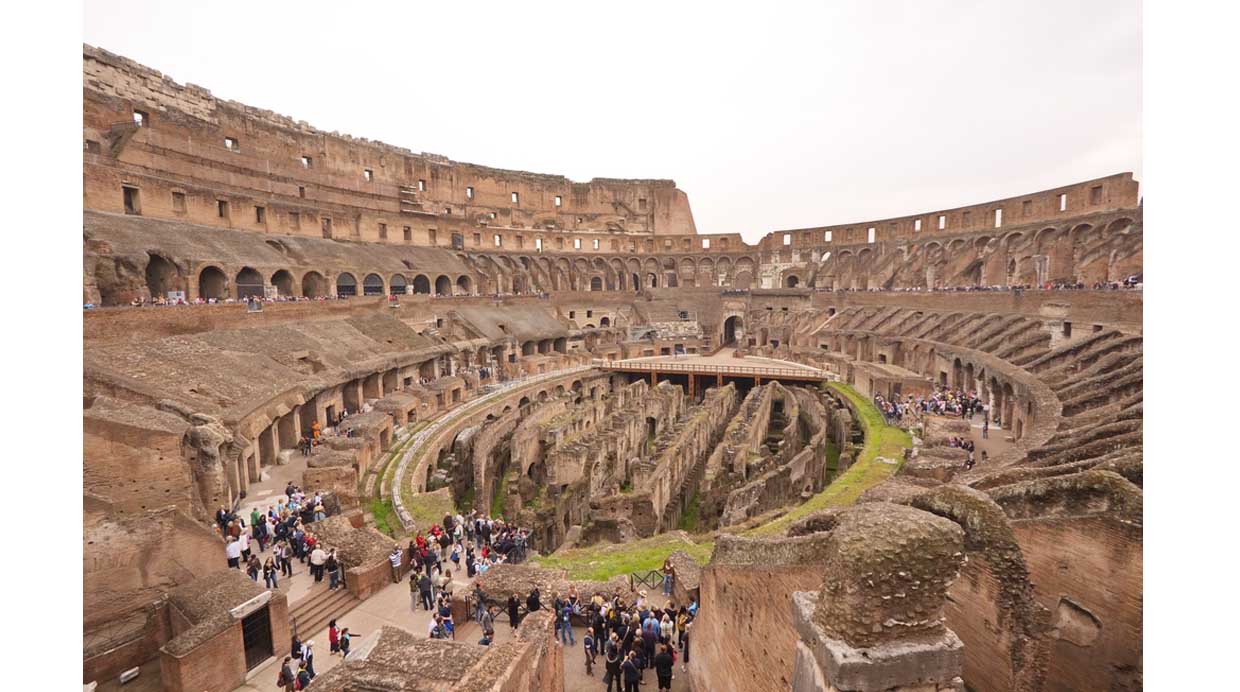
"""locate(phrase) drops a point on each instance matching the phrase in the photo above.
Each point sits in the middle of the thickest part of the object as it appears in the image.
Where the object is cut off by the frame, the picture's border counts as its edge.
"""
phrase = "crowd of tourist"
(282, 528)
(1134, 282)
(942, 402)
(632, 638)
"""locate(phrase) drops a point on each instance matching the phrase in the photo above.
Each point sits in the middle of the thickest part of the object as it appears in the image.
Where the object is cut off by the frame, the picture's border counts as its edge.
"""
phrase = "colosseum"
(321, 372)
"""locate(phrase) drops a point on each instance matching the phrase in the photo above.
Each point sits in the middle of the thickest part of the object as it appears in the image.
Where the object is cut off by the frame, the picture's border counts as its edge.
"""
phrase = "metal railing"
(651, 580)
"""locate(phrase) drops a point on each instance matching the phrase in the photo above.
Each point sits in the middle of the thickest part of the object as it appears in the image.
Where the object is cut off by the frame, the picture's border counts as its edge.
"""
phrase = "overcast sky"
(780, 116)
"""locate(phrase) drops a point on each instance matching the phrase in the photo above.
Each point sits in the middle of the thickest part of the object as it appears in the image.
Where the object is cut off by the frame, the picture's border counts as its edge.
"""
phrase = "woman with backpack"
(286, 679)
(303, 678)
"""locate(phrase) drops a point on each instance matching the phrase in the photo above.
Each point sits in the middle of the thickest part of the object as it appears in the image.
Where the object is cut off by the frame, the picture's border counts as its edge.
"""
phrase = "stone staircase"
(318, 607)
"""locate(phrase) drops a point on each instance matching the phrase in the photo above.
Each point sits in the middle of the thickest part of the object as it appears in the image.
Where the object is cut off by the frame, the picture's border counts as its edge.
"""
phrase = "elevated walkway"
(718, 365)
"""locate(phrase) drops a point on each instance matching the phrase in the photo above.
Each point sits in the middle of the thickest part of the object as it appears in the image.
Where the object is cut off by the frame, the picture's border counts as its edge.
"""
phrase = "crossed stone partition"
(429, 432)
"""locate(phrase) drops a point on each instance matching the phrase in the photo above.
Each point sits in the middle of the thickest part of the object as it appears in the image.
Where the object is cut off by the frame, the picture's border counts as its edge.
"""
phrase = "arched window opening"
(346, 285)
(372, 285)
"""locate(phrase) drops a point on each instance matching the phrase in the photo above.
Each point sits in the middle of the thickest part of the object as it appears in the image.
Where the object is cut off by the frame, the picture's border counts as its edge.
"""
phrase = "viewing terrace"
(721, 366)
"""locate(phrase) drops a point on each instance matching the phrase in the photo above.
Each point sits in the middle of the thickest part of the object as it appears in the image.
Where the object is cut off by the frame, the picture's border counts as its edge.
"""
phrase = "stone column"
(877, 622)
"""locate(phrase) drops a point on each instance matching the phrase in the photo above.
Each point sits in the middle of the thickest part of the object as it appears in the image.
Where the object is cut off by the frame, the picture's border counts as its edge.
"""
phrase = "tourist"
(394, 558)
(253, 568)
(445, 582)
(333, 639)
(532, 603)
(332, 565)
(632, 673)
(424, 591)
(666, 628)
(232, 550)
(286, 679)
(487, 622)
(445, 616)
(307, 658)
(260, 529)
(318, 558)
(612, 659)
(587, 644)
(345, 638)
(663, 663)
(414, 594)
(566, 625)
(684, 645)
(668, 572)
(270, 574)
(244, 540)
(435, 629)
(286, 560)
(514, 613)
(985, 428)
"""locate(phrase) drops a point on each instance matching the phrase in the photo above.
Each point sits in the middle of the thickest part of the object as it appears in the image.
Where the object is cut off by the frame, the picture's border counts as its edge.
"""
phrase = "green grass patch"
(881, 440)
(429, 508)
(497, 500)
(689, 518)
(604, 561)
(385, 516)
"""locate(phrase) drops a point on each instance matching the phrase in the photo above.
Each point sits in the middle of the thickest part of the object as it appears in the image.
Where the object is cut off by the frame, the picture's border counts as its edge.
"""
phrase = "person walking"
(669, 572)
(232, 551)
(286, 560)
(333, 639)
(307, 658)
(632, 673)
(566, 625)
(985, 428)
(587, 644)
(684, 665)
(345, 638)
(612, 660)
(664, 662)
(332, 565)
(303, 677)
(286, 679)
(487, 622)
(271, 574)
(424, 591)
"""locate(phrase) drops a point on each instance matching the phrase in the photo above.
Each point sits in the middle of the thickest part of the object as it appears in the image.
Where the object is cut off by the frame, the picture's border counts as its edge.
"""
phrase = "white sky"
(781, 116)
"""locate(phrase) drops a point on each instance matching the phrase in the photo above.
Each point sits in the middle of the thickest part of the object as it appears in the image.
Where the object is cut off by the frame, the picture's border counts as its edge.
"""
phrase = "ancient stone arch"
(162, 276)
(249, 283)
(372, 285)
(313, 285)
(346, 284)
(212, 282)
(282, 280)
